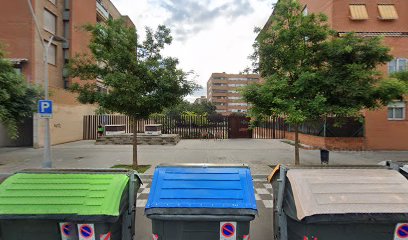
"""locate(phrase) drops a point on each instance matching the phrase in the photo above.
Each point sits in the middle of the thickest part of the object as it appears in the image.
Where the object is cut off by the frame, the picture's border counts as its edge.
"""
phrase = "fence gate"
(238, 127)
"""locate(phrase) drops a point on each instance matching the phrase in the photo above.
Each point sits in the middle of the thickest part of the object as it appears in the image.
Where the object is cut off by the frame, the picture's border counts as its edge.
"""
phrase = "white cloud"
(216, 37)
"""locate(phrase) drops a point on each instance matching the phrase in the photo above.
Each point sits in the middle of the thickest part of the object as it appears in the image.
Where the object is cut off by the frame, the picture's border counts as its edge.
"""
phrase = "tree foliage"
(139, 79)
(311, 72)
(402, 76)
(201, 108)
(17, 98)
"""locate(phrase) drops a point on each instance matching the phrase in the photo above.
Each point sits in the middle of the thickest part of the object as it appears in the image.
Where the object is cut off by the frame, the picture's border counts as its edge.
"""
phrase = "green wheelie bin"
(69, 205)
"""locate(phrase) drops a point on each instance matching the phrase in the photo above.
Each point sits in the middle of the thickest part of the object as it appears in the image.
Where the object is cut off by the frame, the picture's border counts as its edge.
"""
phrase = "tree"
(402, 76)
(201, 108)
(139, 79)
(311, 72)
(204, 107)
(17, 98)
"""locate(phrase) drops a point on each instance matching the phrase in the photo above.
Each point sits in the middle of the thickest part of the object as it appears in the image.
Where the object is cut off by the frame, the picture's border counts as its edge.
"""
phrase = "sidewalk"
(257, 153)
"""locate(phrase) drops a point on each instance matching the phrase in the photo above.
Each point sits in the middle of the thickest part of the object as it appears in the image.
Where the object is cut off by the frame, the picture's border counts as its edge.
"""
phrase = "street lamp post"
(47, 163)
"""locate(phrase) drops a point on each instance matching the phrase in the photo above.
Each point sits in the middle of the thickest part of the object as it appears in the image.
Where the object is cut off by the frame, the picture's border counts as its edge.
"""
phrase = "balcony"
(101, 11)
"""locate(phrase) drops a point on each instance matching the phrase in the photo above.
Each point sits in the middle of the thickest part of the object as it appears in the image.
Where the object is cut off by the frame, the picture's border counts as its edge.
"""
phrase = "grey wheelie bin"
(400, 166)
(336, 203)
(201, 202)
(69, 205)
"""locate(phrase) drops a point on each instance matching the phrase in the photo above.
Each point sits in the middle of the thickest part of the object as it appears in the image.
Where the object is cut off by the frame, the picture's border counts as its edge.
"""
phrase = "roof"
(342, 191)
(50, 194)
(17, 61)
(202, 187)
(233, 75)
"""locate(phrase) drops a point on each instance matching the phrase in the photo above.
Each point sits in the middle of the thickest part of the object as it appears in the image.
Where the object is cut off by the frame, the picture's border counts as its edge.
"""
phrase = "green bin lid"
(61, 194)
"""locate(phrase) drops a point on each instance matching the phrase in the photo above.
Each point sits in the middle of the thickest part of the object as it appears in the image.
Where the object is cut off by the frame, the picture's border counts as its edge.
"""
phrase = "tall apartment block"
(23, 47)
(386, 128)
(222, 90)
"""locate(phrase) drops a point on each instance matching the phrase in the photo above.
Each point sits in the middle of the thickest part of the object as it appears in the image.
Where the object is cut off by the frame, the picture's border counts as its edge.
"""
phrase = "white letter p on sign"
(44, 105)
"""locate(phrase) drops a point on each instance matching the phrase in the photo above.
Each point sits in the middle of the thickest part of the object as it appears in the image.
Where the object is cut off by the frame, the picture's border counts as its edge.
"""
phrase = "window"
(305, 11)
(358, 12)
(397, 65)
(236, 85)
(387, 12)
(396, 111)
(18, 70)
(220, 84)
(220, 111)
(50, 21)
(52, 53)
(234, 98)
(238, 104)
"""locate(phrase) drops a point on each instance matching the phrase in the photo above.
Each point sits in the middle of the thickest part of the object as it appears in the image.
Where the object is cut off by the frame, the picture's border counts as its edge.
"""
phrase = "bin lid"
(202, 187)
(62, 194)
(348, 191)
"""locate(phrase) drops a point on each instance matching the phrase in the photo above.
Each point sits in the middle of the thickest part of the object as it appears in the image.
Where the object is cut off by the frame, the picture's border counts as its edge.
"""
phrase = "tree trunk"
(297, 160)
(134, 121)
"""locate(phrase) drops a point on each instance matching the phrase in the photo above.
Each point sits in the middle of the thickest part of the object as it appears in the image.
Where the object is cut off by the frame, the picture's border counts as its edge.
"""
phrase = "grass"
(139, 168)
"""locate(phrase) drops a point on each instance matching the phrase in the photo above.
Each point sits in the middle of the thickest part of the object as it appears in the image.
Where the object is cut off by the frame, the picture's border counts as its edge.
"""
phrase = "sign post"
(45, 112)
(45, 108)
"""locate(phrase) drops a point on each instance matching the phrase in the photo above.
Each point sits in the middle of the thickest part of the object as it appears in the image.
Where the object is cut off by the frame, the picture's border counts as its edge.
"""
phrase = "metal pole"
(47, 143)
(47, 146)
(36, 23)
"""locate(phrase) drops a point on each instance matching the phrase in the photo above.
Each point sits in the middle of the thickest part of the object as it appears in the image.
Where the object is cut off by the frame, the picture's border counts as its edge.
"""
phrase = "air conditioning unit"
(115, 130)
(153, 129)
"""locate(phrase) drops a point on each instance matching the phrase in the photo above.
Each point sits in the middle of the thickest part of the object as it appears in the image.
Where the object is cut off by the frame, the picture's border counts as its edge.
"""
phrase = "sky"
(208, 35)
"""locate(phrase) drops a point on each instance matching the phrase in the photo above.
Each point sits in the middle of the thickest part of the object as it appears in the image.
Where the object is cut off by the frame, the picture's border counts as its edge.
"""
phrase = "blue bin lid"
(202, 187)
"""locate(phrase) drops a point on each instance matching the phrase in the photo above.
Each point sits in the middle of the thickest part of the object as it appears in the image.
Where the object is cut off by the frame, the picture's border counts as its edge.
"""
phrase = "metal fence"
(331, 127)
(218, 127)
(269, 128)
(188, 127)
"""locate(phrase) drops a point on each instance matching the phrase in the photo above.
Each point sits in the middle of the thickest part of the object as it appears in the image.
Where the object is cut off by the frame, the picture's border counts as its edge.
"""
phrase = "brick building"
(23, 45)
(386, 128)
(222, 90)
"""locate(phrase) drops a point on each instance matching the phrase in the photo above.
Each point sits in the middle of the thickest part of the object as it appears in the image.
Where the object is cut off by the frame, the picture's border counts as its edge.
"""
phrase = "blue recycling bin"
(201, 202)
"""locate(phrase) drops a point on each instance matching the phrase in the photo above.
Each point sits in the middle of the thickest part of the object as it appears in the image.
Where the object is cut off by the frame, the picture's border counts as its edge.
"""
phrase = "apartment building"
(223, 91)
(386, 128)
(201, 99)
(23, 46)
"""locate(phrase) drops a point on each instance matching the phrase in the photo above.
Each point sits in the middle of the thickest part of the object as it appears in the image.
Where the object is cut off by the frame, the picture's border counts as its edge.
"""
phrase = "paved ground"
(261, 227)
(257, 153)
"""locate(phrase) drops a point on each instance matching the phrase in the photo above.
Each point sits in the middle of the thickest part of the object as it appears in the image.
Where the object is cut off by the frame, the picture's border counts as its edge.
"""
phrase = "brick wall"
(330, 143)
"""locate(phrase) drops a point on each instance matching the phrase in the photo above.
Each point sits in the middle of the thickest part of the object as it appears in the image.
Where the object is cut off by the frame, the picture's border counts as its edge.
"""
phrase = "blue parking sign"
(45, 108)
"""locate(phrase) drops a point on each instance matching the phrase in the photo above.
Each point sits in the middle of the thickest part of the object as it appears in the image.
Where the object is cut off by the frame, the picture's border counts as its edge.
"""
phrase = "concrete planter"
(142, 139)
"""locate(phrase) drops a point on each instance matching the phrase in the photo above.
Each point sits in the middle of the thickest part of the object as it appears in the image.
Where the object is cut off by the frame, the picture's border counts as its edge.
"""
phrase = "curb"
(264, 176)
(149, 176)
